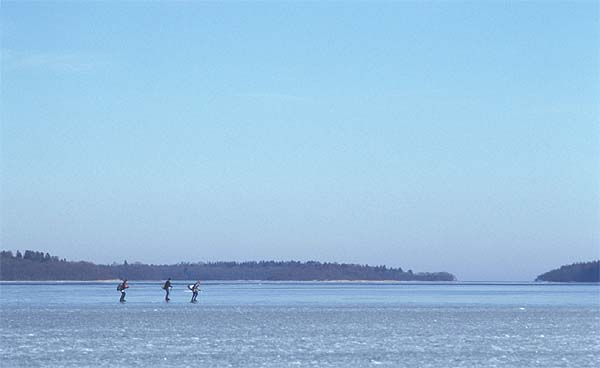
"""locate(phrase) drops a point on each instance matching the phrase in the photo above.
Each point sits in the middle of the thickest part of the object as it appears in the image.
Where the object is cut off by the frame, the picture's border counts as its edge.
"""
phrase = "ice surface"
(301, 325)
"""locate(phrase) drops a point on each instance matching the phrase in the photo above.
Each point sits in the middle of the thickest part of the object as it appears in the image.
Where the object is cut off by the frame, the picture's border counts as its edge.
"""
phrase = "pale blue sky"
(430, 135)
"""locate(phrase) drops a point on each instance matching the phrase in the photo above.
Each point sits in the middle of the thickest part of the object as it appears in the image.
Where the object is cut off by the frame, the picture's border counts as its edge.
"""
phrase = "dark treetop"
(33, 265)
(577, 272)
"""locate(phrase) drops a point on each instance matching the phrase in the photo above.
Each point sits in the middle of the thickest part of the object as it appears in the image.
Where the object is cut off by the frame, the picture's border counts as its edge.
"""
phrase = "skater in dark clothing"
(194, 288)
(121, 287)
(167, 287)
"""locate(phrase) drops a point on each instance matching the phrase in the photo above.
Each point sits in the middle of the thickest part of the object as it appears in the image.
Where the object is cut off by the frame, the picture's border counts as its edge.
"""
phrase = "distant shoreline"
(39, 266)
(231, 281)
(576, 272)
(382, 282)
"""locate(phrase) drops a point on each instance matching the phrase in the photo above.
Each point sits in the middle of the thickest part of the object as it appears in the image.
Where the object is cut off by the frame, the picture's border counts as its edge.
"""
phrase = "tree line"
(576, 272)
(34, 265)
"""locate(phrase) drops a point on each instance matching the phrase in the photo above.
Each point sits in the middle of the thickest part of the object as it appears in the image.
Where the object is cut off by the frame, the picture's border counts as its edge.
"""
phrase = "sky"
(432, 136)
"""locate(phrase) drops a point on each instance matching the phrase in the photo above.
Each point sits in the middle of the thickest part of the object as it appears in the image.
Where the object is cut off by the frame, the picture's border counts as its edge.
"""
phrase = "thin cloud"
(68, 62)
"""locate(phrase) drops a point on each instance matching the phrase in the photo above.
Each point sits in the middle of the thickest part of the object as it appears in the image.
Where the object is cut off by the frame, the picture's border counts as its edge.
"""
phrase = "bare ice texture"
(301, 325)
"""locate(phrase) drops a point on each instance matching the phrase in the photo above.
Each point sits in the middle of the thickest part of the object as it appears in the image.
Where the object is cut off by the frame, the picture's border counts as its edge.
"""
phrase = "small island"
(576, 272)
(40, 266)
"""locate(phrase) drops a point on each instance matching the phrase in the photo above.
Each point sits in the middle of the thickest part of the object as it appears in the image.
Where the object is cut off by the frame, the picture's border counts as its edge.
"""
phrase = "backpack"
(120, 287)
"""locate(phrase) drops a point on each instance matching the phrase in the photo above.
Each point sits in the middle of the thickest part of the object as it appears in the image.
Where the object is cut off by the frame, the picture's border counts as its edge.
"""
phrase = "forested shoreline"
(576, 272)
(40, 266)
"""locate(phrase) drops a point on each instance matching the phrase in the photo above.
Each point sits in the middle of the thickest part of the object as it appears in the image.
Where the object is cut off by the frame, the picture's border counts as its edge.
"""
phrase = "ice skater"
(121, 287)
(194, 288)
(167, 288)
